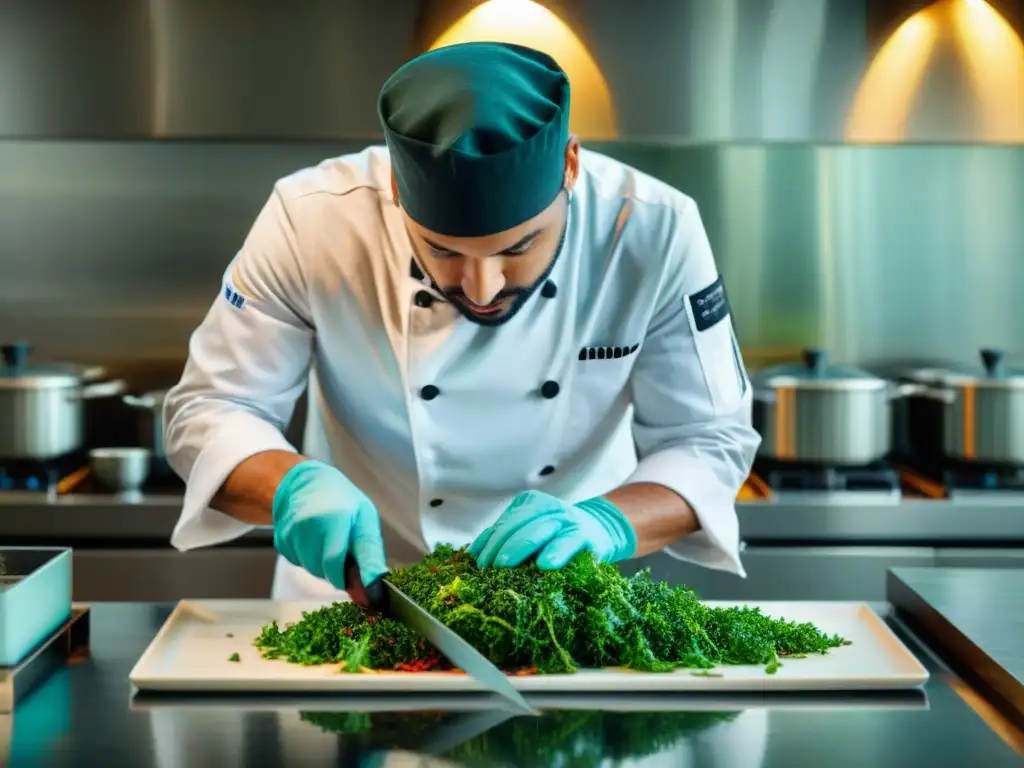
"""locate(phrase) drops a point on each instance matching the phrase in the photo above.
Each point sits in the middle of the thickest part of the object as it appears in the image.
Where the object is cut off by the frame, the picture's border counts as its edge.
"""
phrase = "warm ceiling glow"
(978, 38)
(882, 104)
(995, 61)
(523, 22)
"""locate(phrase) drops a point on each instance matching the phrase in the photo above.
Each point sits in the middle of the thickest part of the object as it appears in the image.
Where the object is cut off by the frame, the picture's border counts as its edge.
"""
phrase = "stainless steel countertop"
(992, 518)
(976, 617)
(84, 714)
(814, 518)
(110, 517)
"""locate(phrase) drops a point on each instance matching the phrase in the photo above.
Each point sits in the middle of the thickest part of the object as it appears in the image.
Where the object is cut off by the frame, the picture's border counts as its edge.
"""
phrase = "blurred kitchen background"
(859, 165)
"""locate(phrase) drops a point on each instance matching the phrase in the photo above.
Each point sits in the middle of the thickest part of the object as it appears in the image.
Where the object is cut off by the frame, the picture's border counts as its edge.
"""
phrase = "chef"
(508, 342)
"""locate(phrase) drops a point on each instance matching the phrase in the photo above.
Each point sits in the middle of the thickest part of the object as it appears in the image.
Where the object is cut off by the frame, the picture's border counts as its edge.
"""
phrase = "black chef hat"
(477, 135)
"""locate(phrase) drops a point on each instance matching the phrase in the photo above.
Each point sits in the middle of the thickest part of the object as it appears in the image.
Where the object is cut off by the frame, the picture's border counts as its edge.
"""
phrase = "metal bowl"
(120, 469)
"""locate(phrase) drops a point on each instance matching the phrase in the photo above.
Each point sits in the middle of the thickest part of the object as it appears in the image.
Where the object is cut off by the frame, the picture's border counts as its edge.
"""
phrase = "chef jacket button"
(549, 290)
(547, 470)
(429, 392)
(436, 502)
(423, 299)
(550, 389)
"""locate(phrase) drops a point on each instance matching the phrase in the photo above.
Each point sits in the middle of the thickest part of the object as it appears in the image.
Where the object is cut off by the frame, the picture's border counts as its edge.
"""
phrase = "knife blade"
(385, 597)
(458, 651)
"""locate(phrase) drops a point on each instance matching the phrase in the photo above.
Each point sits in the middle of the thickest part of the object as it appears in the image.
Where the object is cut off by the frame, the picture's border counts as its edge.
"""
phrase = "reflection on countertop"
(98, 720)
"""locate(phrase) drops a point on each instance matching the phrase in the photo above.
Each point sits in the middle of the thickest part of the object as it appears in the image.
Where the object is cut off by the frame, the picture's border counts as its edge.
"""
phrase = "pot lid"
(17, 373)
(994, 372)
(815, 372)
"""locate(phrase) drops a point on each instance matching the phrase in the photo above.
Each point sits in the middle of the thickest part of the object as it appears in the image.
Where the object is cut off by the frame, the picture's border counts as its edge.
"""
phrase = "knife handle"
(372, 596)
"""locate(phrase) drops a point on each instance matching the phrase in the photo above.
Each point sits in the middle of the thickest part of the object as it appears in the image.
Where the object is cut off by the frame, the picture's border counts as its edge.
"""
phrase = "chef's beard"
(520, 295)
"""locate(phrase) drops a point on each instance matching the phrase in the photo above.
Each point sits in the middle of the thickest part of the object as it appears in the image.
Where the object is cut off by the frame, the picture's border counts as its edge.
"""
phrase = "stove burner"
(44, 477)
(782, 476)
(983, 478)
(40, 476)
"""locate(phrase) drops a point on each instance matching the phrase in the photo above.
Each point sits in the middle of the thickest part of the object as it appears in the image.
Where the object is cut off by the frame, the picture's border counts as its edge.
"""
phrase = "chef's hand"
(538, 524)
(319, 517)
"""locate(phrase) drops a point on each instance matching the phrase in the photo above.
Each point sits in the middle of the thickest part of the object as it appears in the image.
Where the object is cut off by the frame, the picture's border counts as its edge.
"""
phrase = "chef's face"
(488, 279)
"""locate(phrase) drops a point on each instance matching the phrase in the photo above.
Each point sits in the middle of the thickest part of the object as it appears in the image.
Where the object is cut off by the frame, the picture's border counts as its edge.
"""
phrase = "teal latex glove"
(536, 523)
(319, 517)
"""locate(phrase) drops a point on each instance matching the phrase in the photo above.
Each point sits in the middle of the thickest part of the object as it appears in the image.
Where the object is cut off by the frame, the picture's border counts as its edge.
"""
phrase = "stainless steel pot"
(153, 427)
(824, 414)
(41, 406)
(982, 412)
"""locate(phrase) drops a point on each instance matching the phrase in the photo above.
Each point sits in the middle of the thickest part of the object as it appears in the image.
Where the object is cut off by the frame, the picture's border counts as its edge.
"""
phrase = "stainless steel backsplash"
(111, 252)
(704, 70)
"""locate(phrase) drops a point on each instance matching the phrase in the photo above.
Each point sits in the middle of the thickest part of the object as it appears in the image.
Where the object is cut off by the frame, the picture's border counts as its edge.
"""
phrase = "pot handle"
(143, 402)
(16, 355)
(899, 391)
(944, 396)
(815, 360)
(104, 389)
(93, 373)
(992, 360)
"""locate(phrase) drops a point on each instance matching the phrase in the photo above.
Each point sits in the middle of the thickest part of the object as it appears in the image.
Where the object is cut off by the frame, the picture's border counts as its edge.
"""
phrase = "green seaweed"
(585, 615)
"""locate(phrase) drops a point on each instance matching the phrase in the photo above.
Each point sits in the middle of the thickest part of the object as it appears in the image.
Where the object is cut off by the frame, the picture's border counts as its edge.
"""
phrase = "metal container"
(824, 414)
(982, 411)
(35, 599)
(120, 469)
(41, 406)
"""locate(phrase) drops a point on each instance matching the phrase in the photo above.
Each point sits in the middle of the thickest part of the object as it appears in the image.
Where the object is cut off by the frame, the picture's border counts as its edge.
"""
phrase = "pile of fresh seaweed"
(585, 615)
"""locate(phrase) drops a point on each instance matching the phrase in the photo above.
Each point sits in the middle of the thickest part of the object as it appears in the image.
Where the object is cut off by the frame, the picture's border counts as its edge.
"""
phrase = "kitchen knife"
(383, 596)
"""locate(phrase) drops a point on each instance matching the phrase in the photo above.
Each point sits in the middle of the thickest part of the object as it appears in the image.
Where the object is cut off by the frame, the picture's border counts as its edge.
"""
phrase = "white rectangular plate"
(191, 653)
(623, 701)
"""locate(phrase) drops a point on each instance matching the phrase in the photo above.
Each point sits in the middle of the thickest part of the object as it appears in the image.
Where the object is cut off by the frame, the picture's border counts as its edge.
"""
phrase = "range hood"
(643, 70)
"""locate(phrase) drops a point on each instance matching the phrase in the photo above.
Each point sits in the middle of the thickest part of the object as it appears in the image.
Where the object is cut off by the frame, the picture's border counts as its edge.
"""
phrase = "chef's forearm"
(248, 493)
(659, 516)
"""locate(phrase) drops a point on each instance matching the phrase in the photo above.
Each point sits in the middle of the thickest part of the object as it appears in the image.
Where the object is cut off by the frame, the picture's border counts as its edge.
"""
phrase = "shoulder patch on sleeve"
(709, 305)
(233, 297)
(234, 289)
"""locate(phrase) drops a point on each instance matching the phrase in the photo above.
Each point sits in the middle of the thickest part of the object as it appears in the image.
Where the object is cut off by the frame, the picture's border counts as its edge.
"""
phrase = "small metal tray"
(68, 643)
(35, 598)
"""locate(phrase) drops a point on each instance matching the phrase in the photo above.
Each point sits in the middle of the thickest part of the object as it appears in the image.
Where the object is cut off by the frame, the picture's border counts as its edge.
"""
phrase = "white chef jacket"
(325, 293)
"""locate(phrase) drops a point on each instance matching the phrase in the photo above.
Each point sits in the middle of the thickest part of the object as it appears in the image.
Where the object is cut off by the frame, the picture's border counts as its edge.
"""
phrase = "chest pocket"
(598, 393)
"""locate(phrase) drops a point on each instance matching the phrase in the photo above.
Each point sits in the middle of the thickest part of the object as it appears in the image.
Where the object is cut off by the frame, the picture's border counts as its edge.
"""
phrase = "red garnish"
(523, 672)
(419, 665)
